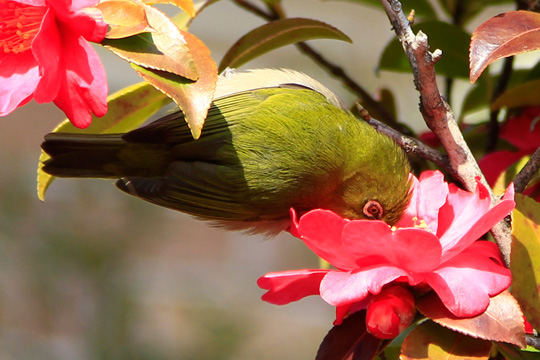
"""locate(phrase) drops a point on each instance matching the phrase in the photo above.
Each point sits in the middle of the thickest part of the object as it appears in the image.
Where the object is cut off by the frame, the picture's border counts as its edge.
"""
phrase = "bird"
(273, 139)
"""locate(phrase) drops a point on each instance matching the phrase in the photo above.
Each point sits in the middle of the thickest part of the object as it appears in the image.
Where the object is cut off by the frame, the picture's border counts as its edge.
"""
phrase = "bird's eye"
(373, 210)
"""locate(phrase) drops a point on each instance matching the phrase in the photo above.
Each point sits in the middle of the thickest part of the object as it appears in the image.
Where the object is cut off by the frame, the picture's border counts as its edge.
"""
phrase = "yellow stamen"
(19, 24)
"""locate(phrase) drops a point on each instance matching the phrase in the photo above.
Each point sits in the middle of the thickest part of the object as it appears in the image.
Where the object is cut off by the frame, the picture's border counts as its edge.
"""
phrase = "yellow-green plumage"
(261, 152)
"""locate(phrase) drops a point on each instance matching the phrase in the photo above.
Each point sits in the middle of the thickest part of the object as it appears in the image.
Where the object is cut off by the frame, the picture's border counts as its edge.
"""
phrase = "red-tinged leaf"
(277, 34)
(193, 98)
(502, 321)
(525, 257)
(430, 341)
(186, 5)
(164, 49)
(525, 94)
(504, 35)
(125, 18)
(128, 109)
(350, 340)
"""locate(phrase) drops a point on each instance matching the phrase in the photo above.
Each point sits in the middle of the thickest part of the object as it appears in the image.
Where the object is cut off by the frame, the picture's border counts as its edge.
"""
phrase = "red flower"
(522, 132)
(44, 54)
(433, 246)
(390, 312)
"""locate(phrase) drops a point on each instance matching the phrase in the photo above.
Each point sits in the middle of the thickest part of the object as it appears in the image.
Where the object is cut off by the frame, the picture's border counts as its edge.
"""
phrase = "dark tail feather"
(102, 156)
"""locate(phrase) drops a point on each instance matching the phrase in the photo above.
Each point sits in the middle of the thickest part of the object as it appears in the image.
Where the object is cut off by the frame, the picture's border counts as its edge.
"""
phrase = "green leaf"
(468, 9)
(524, 94)
(164, 49)
(479, 96)
(430, 341)
(193, 97)
(422, 8)
(274, 35)
(128, 109)
(454, 61)
(525, 257)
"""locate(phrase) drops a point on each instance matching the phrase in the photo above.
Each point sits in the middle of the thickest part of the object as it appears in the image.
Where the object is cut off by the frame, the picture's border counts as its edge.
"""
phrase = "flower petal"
(340, 288)
(288, 286)
(321, 231)
(19, 76)
(474, 220)
(47, 48)
(374, 243)
(466, 282)
(429, 193)
(88, 24)
(84, 89)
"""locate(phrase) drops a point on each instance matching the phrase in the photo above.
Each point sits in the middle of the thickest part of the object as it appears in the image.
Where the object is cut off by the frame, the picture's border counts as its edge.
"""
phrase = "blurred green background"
(92, 273)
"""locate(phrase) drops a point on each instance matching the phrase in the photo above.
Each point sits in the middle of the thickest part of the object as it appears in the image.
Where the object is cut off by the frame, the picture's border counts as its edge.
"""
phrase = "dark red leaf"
(504, 35)
(350, 340)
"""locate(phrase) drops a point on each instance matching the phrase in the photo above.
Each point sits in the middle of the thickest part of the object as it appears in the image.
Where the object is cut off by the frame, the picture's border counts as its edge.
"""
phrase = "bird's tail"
(103, 156)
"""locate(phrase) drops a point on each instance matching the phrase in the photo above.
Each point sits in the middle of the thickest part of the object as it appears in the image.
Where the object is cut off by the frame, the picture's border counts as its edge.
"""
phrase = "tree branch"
(437, 113)
(412, 145)
(527, 172)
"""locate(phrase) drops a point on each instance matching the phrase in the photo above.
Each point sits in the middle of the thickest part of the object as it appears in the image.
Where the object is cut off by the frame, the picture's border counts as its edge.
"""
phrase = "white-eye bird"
(273, 139)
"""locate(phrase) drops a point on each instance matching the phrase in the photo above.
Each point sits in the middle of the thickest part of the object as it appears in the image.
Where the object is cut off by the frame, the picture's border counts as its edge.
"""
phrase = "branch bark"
(438, 114)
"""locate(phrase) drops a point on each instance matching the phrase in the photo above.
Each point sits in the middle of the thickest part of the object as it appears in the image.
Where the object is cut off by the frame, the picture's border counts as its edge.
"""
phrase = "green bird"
(273, 139)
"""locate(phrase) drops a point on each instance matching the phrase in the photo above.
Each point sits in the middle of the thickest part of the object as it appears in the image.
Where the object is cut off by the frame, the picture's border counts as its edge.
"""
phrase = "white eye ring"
(373, 210)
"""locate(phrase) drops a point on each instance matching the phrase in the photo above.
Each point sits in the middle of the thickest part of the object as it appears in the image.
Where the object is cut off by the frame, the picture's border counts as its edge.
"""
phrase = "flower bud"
(390, 312)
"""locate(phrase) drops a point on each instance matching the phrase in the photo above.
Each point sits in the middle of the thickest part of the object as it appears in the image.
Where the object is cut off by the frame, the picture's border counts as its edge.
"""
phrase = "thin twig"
(437, 113)
(527, 172)
(533, 341)
(412, 146)
(276, 13)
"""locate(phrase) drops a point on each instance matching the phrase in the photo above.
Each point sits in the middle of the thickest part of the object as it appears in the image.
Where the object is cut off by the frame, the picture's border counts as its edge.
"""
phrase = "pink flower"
(44, 55)
(432, 247)
(522, 132)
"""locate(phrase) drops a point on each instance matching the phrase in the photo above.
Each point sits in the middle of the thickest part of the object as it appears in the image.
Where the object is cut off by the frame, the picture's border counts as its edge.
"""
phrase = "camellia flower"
(432, 247)
(44, 55)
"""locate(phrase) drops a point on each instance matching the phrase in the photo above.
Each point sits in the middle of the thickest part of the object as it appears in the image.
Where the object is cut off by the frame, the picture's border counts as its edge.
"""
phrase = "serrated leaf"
(525, 257)
(502, 320)
(422, 8)
(183, 20)
(274, 35)
(454, 61)
(128, 109)
(125, 18)
(348, 340)
(186, 5)
(525, 94)
(504, 35)
(193, 98)
(430, 341)
(164, 49)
